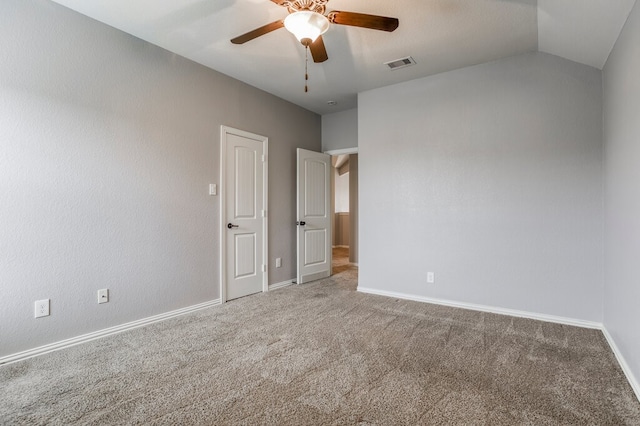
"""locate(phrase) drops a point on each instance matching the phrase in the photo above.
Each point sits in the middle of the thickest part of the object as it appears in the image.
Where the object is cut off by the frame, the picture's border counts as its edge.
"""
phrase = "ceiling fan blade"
(318, 51)
(374, 22)
(265, 29)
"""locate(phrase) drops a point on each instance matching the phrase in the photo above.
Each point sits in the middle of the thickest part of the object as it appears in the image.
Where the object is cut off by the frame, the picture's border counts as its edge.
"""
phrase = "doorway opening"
(341, 214)
(344, 194)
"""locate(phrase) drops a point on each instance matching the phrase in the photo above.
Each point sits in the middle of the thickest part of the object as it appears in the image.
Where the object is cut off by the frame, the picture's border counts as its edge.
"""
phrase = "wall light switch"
(278, 262)
(213, 189)
(431, 278)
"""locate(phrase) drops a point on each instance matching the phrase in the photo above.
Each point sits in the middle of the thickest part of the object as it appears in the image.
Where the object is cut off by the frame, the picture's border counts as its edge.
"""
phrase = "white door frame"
(342, 151)
(333, 152)
(224, 130)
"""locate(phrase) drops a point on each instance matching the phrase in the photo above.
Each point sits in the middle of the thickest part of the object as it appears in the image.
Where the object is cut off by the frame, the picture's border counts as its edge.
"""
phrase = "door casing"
(353, 218)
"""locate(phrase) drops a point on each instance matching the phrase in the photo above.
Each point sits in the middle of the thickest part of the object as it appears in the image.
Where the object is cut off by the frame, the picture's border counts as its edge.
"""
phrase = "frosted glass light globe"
(306, 25)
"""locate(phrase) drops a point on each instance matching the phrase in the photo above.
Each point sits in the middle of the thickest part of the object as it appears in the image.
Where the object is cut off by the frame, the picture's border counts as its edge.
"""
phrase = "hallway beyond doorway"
(341, 260)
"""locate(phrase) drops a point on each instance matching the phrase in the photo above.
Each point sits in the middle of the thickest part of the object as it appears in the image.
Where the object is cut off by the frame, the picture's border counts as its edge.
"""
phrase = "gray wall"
(340, 130)
(490, 176)
(622, 189)
(341, 230)
(108, 145)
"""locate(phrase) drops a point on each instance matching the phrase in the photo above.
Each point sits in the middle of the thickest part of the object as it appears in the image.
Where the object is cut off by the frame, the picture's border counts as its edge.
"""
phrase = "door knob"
(230, 225)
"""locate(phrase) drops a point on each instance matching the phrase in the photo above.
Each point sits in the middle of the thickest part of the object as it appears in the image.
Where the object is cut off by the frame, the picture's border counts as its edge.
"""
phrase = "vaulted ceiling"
(441, 35)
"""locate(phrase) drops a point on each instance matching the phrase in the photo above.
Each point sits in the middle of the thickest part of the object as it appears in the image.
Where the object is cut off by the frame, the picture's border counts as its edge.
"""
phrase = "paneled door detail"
(243, 213)
(314, 216)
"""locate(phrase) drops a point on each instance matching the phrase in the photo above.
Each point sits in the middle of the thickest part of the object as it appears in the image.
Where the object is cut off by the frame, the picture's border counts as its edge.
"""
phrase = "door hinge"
(264, 158)
(264, 268)
(264, 213)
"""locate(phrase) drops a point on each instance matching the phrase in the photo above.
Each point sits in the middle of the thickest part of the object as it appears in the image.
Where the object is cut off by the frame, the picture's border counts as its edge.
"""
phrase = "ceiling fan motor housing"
(318, 6)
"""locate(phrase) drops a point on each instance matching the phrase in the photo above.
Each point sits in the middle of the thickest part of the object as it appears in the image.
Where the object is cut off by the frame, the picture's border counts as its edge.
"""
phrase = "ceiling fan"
(307, 21)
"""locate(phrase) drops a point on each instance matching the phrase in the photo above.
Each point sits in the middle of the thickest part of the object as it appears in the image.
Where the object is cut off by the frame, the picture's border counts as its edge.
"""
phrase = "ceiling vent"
(400, 63)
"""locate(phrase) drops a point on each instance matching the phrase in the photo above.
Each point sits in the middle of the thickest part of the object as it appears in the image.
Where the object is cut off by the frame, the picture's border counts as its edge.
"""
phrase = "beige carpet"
(322, 353)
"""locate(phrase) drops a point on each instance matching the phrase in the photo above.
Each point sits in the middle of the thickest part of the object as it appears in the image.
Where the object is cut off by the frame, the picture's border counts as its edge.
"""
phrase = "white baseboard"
(63, 344)
(484, 308)
(281, 285)
(635, 385)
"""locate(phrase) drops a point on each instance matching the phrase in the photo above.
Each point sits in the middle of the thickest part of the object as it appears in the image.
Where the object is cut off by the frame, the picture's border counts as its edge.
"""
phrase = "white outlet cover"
(103, 295)
(42, 308)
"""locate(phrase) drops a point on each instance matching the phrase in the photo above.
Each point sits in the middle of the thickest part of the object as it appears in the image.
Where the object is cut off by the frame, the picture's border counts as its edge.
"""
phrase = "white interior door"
(314, 216)
(244, 206)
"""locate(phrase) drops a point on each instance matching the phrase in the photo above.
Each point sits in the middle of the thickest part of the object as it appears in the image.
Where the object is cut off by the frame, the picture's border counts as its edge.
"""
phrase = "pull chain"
(306, 64)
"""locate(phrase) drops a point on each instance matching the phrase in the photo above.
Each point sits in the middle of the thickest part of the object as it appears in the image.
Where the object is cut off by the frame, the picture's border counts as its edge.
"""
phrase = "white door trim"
(342, 151)
(224, 130)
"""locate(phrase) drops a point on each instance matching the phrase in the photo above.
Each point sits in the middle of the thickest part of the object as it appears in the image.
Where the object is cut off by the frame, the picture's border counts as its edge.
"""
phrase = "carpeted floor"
(321, 353)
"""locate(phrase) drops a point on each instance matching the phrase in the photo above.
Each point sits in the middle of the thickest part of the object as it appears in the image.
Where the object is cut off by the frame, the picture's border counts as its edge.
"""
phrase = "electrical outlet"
(431, 278)
(42, 308)
(278, 262)
(103, 295)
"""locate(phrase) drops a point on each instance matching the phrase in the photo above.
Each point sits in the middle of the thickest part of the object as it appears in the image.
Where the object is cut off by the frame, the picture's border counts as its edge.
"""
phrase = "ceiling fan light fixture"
(306, 25)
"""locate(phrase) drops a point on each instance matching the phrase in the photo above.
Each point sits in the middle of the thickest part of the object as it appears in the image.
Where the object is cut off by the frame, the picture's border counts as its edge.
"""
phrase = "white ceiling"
(441, 35)
(581, 30)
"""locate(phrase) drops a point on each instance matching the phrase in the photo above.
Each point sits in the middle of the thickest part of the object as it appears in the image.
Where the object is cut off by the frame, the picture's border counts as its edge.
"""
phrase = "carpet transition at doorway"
(322, 353)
